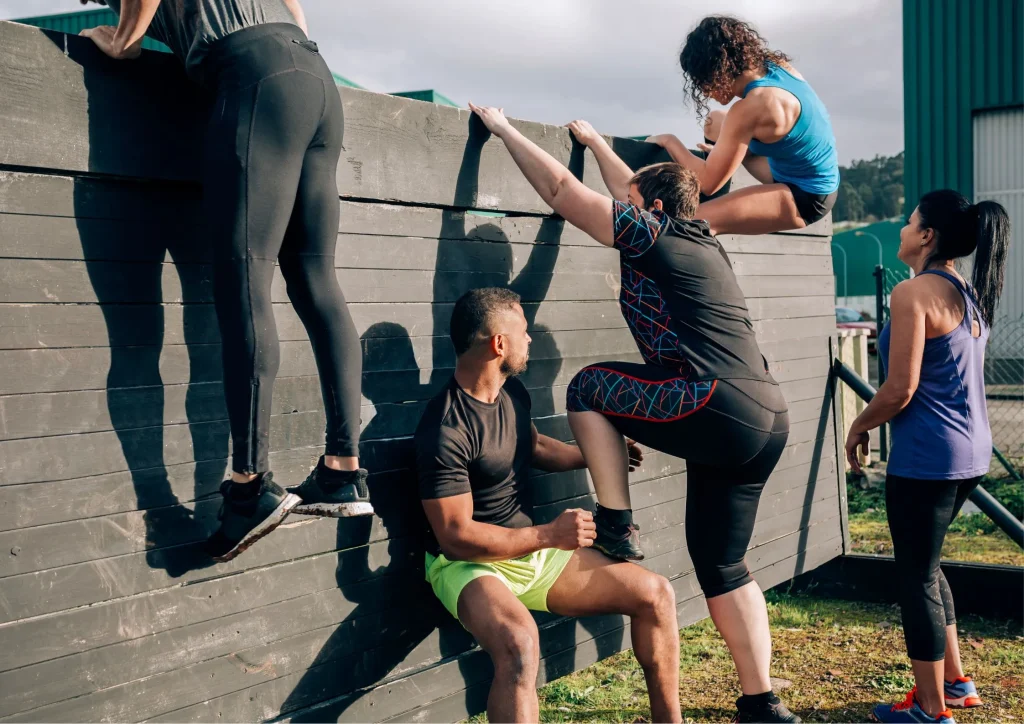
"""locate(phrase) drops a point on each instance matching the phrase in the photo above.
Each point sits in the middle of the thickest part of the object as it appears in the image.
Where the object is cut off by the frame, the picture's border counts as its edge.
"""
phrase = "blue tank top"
(806, 156)
(943, 434)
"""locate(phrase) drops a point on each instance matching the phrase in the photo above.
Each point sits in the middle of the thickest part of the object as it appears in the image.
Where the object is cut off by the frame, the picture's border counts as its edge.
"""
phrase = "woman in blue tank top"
(778, 129)
(934, 394)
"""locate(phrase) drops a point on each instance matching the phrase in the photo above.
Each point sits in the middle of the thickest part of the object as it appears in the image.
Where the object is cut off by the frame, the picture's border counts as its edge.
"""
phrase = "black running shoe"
(243, 521)
(334, 493)
(773, 711)
(623, 545)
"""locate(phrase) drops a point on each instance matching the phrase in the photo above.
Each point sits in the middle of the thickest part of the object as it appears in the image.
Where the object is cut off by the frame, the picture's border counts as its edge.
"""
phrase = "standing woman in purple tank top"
(778, 129)
(934, 394)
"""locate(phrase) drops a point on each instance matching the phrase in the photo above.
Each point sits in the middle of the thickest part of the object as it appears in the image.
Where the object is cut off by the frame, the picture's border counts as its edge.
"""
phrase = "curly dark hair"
(717, 52)
(675, 185)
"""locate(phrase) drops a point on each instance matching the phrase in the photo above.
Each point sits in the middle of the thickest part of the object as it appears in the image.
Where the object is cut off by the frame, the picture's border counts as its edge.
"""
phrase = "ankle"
(616, 518)
(243, 478)
(344, 464)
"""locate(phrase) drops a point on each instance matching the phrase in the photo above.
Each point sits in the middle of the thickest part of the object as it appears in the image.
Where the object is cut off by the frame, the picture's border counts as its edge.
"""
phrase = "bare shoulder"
(792, 71)
(913, 293)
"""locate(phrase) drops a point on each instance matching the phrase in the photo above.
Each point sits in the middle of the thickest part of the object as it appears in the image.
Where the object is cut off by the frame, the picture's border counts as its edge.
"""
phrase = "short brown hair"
(676, 186)
(473, 312)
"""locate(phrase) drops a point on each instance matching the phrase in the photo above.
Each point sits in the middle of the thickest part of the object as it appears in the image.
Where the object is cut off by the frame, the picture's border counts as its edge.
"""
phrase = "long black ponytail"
(962, 229)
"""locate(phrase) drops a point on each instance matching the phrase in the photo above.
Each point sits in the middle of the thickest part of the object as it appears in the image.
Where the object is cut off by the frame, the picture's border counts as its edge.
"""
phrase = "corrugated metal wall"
(74, 23)
(959, 57)
(999, 176)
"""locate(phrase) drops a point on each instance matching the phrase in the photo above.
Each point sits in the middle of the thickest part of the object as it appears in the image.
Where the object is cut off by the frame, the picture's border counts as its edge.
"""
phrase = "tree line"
(870, 190)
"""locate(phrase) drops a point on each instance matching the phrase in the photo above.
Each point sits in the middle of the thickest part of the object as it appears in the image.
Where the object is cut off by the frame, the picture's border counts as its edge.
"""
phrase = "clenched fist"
(573, 529)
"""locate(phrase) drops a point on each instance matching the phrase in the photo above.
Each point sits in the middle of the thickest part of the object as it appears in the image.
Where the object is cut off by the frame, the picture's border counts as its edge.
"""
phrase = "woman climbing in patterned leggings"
(703, 392)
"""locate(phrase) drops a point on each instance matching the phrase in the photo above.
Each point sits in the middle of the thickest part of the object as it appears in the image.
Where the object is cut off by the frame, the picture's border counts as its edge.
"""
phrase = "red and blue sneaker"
(961, 693)
(909, 710)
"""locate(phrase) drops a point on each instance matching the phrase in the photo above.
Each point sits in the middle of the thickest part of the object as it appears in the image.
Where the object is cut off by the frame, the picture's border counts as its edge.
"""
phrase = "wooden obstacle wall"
(114, 438)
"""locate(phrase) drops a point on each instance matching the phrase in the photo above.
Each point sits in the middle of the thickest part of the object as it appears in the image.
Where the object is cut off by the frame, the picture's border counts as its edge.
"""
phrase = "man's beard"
(511, 368)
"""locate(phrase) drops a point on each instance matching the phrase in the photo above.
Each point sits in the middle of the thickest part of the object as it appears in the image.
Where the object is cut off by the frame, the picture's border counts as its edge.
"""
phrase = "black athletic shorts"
(812, 207)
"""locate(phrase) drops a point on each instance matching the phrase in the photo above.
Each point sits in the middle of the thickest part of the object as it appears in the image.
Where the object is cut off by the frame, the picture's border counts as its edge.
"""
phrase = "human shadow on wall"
(163, 401)
(533, 284)
(395, 610)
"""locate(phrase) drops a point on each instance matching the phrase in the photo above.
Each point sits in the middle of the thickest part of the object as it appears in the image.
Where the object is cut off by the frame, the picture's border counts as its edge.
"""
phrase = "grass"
(834, 661)
(972, 538)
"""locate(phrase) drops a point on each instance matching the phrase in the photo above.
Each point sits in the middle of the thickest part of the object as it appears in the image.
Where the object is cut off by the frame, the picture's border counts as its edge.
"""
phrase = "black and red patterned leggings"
(731, 434)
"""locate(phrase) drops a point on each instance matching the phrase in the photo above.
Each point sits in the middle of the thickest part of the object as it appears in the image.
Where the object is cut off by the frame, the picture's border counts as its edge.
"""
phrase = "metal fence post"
(883, 436)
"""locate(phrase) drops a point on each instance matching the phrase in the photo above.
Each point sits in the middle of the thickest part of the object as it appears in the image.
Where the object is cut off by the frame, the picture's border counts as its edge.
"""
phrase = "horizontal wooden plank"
(61, 457)
(444, 239)
(42, 326)
(29, 505)
(123, 409)
(118, 199)
(59, 281)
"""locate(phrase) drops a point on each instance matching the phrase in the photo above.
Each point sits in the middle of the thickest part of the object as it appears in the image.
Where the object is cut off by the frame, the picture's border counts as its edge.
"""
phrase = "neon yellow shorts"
(529, 578)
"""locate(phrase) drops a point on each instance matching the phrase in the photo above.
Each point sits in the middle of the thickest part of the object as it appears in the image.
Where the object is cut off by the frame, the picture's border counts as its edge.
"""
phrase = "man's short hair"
(474, 311)
(676, 186)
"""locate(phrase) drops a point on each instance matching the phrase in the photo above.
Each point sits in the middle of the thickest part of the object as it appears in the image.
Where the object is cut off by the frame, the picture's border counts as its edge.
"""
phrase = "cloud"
(610, 62)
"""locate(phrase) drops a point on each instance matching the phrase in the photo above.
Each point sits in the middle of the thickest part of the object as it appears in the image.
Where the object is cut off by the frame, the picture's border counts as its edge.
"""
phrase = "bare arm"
(906, 350)
(463, 539)
(555, 456)
(614, 171)
(584, 208)
(125, 41)
(300, 17)
(726, 155)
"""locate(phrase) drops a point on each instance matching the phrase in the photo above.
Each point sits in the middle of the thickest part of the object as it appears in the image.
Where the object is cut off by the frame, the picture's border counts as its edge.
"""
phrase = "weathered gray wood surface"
(114, 437)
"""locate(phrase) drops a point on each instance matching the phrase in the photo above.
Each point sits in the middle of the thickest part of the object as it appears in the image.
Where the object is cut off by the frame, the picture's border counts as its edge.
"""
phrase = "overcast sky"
(613, 63)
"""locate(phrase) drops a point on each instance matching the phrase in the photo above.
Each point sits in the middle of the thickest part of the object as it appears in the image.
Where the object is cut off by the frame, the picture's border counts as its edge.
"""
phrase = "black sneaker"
(773, 711)
(623, 545)
(334, 493)
(243, 521)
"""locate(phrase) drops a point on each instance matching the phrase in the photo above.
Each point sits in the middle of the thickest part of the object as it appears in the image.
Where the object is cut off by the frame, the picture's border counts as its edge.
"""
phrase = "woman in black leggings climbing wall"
(269, 197)
(703, 392)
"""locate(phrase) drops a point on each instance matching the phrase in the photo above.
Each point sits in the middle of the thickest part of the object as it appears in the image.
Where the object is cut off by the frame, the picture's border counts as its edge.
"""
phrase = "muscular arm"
(906, 350)
(614, 171)
(125, 41)
(555, 456)
(582, 207)
(463, 539)
(728, 153)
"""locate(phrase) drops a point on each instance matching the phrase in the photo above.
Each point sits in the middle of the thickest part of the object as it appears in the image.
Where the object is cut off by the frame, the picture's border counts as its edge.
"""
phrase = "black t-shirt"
(681, 299)
(464, 445)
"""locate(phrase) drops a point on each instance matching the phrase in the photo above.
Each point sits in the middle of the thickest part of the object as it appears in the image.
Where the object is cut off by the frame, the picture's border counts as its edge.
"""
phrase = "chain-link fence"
(1004, 389)
(1004, 377)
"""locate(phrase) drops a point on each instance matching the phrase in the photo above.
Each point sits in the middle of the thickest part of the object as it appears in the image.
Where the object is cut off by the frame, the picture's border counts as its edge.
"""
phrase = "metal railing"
(987, 504)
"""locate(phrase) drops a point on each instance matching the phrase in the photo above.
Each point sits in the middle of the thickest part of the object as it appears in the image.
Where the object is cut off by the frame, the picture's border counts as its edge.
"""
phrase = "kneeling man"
(486, 560)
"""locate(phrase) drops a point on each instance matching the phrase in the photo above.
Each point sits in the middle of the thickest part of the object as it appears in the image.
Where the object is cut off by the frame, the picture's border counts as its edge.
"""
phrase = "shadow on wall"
(125, 262)
(403, 635)
(164, 394)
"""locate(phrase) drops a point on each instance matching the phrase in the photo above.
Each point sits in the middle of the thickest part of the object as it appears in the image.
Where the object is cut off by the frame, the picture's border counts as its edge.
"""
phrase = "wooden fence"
(113, 433)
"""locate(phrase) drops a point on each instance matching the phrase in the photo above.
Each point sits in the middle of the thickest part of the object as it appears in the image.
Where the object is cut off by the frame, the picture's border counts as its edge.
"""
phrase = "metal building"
(963, 71)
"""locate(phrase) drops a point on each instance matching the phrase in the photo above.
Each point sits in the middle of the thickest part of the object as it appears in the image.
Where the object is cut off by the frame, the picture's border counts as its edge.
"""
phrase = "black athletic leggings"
(271, 196)
(919, 513)
(731, 433)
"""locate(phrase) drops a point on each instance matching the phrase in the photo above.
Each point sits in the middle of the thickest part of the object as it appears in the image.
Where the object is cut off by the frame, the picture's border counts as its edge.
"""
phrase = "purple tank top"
(943, 434)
